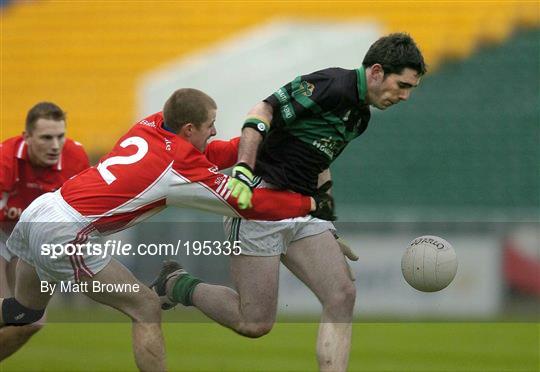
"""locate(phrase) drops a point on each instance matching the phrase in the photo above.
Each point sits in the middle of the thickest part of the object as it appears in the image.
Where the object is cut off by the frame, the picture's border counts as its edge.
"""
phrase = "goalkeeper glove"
(241, 185)
(347, 253)
(324, 203)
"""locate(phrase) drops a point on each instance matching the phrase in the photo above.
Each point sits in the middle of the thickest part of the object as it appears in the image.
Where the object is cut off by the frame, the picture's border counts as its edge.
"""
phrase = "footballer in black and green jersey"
(315, 117)
(289, 140)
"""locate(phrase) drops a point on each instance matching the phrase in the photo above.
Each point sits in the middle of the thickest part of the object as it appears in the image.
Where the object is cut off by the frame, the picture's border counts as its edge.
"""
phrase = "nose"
(213, 132)
(404, 95)
(55, 144)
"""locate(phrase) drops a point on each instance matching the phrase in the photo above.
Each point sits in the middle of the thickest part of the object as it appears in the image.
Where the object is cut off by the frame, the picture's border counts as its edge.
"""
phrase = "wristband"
(245, 175)
(257, 124)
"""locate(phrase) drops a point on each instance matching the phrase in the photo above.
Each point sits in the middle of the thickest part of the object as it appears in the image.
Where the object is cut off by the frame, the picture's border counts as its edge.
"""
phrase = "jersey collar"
(361, 83)
(167, 128)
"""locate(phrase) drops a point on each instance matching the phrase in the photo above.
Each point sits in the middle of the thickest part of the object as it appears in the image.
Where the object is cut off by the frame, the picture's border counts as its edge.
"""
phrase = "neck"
(32, 158)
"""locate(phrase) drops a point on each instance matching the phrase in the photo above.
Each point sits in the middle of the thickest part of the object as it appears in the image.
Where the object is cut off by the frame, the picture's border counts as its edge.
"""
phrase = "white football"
(429, 264)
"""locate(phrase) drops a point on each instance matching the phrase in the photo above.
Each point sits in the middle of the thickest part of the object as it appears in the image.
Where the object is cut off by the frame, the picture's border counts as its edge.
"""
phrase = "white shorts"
(50, 220)
(271, 238)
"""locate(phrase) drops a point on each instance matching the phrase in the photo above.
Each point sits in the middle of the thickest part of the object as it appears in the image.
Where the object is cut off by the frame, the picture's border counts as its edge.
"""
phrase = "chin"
(50, 163)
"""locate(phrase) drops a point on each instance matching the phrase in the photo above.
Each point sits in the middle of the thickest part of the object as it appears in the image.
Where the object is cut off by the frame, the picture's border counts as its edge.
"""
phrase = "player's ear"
(377, 71)
(186, 130)
(25, 135)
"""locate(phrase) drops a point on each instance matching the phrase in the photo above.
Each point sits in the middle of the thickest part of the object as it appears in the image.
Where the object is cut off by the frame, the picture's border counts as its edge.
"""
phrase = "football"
(429, 263)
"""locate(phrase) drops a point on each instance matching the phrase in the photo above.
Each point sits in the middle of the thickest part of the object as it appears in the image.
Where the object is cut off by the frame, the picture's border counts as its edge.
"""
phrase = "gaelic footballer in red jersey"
(38, 161)
(170, 169)
(22, 180)
(162, 160)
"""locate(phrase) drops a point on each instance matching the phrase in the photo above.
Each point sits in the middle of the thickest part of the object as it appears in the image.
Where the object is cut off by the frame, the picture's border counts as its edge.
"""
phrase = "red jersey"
(150, 168)
(21, 183)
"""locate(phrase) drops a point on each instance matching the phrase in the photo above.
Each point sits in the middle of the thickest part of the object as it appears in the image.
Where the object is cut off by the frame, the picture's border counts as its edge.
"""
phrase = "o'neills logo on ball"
(436, 243)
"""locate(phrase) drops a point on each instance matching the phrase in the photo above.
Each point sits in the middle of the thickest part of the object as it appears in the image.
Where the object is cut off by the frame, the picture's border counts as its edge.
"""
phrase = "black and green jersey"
(315, 117)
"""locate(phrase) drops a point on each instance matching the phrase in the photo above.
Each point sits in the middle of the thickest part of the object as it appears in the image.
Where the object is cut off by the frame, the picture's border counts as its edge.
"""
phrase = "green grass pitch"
(206, 346)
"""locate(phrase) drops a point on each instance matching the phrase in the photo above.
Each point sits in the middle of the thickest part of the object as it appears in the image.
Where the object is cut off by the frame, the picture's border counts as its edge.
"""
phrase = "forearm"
(251, 139)
(249, 143)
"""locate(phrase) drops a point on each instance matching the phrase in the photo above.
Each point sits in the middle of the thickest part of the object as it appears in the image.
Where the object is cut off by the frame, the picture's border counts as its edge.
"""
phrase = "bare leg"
(27, 289)
(318, 262)
(13, 338)
(251, 311)
(144, 310)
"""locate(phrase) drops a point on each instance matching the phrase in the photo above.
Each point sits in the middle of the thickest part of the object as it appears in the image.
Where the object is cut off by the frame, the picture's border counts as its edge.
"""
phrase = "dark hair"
(395, 52)
(43, 110)
(187, 105)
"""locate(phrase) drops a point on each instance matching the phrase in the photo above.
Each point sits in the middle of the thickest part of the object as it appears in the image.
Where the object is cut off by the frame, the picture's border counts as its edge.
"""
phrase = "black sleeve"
(308, 94)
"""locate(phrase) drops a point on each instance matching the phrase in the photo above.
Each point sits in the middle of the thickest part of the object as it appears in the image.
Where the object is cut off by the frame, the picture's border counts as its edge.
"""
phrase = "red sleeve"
(197, 184)
(224, 154)
(7, 163)
(276, 205)
(4, 168)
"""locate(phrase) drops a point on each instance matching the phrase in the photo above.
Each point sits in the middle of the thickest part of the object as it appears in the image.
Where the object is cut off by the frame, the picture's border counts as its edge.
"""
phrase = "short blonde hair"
(187, 105)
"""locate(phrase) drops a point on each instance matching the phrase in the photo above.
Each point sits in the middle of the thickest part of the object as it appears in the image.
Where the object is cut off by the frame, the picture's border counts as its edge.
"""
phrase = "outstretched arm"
(202, 189)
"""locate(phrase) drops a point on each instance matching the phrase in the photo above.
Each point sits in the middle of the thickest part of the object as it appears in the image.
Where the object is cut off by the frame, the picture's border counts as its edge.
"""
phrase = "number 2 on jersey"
(142, 150)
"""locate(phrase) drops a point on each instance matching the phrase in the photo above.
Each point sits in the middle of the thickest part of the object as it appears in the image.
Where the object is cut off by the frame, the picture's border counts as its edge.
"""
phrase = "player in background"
(38, 161)
(162, 160)
(290, 139)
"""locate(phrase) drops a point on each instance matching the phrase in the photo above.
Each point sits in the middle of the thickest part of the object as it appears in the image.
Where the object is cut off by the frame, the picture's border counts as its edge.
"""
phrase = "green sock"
(183, 289)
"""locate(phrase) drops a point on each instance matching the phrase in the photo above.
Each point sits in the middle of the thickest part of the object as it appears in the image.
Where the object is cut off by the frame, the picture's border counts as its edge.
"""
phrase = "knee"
(34, 328)
(147, 308)
(27, 331)
(342, 300)
(255, 329)
(16, 314)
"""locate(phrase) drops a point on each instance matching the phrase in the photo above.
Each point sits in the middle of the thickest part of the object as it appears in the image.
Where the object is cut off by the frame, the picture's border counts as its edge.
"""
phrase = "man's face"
(386, 90)
(45, 142)
(200, 136)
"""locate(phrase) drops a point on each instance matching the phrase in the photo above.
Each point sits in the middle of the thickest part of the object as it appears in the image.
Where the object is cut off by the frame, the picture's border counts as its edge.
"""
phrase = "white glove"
(348, 253)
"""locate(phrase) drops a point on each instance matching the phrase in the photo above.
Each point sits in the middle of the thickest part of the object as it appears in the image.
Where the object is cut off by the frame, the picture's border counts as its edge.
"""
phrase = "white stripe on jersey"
(59, 164)
(198, 195)
(5, 198)
(220, 187)
(223, 189)
(20, 149)
(154, 192)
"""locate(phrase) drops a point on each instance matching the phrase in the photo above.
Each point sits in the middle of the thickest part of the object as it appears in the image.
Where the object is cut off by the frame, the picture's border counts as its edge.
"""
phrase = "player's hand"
(348, 253)
(324, 203)
(241, 185)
